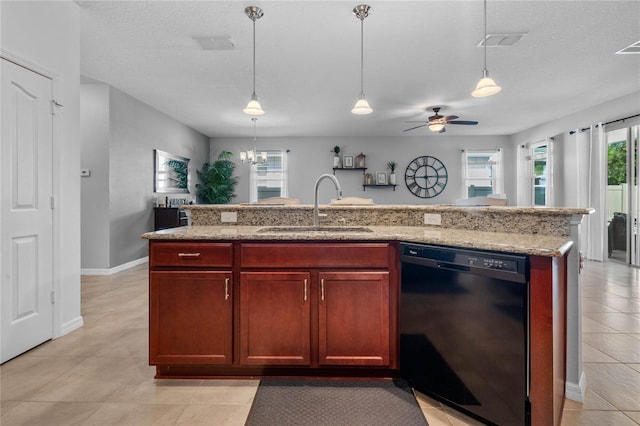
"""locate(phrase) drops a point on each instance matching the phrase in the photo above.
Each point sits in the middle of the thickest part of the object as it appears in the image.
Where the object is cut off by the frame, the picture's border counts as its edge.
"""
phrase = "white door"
(26, 218)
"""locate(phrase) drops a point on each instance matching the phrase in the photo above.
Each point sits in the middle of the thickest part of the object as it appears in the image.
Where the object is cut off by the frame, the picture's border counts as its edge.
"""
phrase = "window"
(269, 179)
(482, 172)
(540, 158)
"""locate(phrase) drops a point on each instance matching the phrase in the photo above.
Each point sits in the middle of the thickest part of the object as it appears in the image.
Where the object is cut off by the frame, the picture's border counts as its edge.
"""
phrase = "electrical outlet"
(432, 219)
(229, 217)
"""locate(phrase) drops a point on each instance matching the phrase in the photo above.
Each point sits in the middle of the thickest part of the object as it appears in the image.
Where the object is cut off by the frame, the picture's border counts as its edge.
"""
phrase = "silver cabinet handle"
(305, 289)
(322, 289)
(226, 289)
(188, 254)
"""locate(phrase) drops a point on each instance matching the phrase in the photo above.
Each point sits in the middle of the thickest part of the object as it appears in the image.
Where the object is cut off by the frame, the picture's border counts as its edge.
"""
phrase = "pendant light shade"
(486, 86)
(362, 106)
(253, 107)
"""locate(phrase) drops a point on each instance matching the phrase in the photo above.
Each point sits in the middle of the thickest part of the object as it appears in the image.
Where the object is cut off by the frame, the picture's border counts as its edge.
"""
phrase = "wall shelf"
(349, 168)
(373, 185)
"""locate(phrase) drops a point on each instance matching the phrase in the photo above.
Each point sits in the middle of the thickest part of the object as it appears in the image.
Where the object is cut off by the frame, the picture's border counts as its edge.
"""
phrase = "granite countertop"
(531, 244)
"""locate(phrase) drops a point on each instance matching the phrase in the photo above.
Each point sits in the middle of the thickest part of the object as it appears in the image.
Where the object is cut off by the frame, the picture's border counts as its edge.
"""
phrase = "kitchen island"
(259, 297)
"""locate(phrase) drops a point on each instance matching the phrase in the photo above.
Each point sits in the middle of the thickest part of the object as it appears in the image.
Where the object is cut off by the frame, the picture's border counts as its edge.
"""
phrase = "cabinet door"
(354, 320)
(275, 318)
(190, 317)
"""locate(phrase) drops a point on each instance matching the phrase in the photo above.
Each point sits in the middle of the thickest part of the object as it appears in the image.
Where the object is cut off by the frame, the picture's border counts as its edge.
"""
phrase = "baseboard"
(70, 326)
(115, 270)
(575, 392)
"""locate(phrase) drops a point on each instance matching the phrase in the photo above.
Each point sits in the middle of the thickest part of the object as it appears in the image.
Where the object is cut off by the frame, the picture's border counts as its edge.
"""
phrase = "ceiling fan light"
(436, 127)
(253, 107)
(485, 87)
(362, 107)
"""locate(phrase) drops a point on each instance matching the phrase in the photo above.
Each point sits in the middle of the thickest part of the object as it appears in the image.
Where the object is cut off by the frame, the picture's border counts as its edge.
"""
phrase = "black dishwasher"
(464, 330)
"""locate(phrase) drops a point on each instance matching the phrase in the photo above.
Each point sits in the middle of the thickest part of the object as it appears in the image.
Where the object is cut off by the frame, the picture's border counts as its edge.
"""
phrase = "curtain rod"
(608, 122)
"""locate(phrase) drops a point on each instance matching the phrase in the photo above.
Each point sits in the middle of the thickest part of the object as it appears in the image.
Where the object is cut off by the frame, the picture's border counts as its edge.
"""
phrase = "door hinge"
(53, 104)
(53, 297)
(52, 201)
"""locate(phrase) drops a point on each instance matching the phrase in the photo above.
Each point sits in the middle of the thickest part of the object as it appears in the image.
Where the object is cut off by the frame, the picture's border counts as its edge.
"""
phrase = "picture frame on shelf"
(347, 161)
(381, 178)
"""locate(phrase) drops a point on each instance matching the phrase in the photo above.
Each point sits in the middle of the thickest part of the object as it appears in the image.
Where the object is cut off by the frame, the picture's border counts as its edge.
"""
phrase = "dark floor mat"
(335, 403)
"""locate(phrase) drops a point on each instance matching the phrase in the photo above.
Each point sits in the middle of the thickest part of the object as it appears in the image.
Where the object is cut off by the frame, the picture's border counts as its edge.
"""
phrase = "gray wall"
(125, 157)
(94, 133)
(311, 157)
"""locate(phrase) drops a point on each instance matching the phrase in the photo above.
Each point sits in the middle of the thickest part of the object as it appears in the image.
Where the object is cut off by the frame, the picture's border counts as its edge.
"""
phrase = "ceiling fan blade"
(451, 117)
(469, 123)
(444, 129)
(406, 130)
(415, 121)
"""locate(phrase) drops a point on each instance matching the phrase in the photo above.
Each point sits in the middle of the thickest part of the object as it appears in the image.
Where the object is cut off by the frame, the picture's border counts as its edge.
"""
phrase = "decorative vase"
(336, 161)
(392, 179)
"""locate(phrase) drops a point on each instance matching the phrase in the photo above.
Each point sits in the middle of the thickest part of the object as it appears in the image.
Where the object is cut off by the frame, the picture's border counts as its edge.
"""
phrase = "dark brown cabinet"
(354, 320)
(190, 318)
(275, 318)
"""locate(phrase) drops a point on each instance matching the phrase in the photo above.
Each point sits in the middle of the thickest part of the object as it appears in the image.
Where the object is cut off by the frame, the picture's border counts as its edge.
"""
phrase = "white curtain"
(594, 228)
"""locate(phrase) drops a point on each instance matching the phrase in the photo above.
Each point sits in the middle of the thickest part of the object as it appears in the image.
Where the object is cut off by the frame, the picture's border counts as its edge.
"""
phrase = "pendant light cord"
(484, 41)
(254, 59)
(362, 56)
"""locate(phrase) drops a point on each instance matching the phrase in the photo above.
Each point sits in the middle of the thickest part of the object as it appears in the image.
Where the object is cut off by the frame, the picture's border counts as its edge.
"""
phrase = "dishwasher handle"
(453, 267)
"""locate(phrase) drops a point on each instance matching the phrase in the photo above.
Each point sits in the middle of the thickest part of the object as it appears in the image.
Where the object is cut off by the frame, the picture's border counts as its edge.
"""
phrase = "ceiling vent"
(214, 43)
(633, 48)
(501, 40)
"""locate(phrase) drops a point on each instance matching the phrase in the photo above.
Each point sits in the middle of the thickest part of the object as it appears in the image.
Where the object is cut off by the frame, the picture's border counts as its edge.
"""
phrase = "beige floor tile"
(459, 419)
(595, 418)
(49, 413)
(592, 326)
(633, 415)
(149, 392)
(634, 366)
(214, 414)
(592, 401)
(593, 305)
(436, 416)
(616, 383)
(425, 401)
(21, 387)
(621, 322)
(6, 406)
(120, 414)
(621, 347)
(74, 389)
(223, 395)
(591, 354)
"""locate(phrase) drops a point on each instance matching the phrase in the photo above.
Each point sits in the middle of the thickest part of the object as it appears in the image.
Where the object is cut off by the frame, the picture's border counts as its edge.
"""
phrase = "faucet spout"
(316, 210)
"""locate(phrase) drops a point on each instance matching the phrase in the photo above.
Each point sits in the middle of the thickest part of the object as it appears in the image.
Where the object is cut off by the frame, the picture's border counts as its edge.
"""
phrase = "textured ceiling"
(417, 54)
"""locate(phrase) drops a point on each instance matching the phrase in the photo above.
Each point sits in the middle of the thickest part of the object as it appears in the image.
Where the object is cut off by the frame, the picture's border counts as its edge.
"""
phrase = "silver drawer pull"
(226, 289)
(305, 289)
(322, 289)
(188, 254)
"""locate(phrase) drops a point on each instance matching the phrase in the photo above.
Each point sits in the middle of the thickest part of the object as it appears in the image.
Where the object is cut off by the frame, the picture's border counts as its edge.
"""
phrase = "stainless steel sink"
(314, 229)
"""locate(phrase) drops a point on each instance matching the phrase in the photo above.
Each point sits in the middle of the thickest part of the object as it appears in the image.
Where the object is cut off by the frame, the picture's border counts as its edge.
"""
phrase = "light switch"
(85, 172)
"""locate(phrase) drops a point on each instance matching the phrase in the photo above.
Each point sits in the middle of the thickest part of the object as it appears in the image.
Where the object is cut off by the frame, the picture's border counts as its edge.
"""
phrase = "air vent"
(214, 43)
(501, 40)
(631, 49)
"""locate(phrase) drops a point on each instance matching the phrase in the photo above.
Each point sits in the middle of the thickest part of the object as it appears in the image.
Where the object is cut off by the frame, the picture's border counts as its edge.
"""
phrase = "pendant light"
(362, 106)
(253, 107)
(486, 86)
(251, 156)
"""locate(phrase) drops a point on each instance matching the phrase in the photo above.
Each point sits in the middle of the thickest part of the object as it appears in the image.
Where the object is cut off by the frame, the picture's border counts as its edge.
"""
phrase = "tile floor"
(98, 375)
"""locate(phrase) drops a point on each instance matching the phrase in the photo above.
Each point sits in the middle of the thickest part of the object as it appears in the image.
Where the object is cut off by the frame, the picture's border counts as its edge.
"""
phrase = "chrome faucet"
(316, 211)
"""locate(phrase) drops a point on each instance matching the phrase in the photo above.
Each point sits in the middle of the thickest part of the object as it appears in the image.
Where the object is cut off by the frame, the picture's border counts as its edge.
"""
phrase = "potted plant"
(336, 156)
(217, 182)
(391, 165)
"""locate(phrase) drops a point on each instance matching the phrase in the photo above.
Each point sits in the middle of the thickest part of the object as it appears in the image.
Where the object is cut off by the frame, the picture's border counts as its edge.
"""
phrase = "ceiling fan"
(436, 122)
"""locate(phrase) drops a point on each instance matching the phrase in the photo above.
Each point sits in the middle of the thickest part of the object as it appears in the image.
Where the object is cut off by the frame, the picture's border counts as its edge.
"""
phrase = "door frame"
(56, 248)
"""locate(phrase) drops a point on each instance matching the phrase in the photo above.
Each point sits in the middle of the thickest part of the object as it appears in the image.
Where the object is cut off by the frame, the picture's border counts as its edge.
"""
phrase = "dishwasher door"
(464, 331)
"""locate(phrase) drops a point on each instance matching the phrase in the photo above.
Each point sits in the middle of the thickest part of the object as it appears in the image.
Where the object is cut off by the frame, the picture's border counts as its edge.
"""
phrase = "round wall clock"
(426, 176)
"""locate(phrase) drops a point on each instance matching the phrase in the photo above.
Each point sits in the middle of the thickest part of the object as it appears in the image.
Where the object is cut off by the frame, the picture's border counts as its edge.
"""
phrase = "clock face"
(426, 177)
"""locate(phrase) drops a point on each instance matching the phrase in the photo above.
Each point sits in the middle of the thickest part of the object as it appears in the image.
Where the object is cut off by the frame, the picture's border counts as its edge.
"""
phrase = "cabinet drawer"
(216, 255)
(314, 255)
